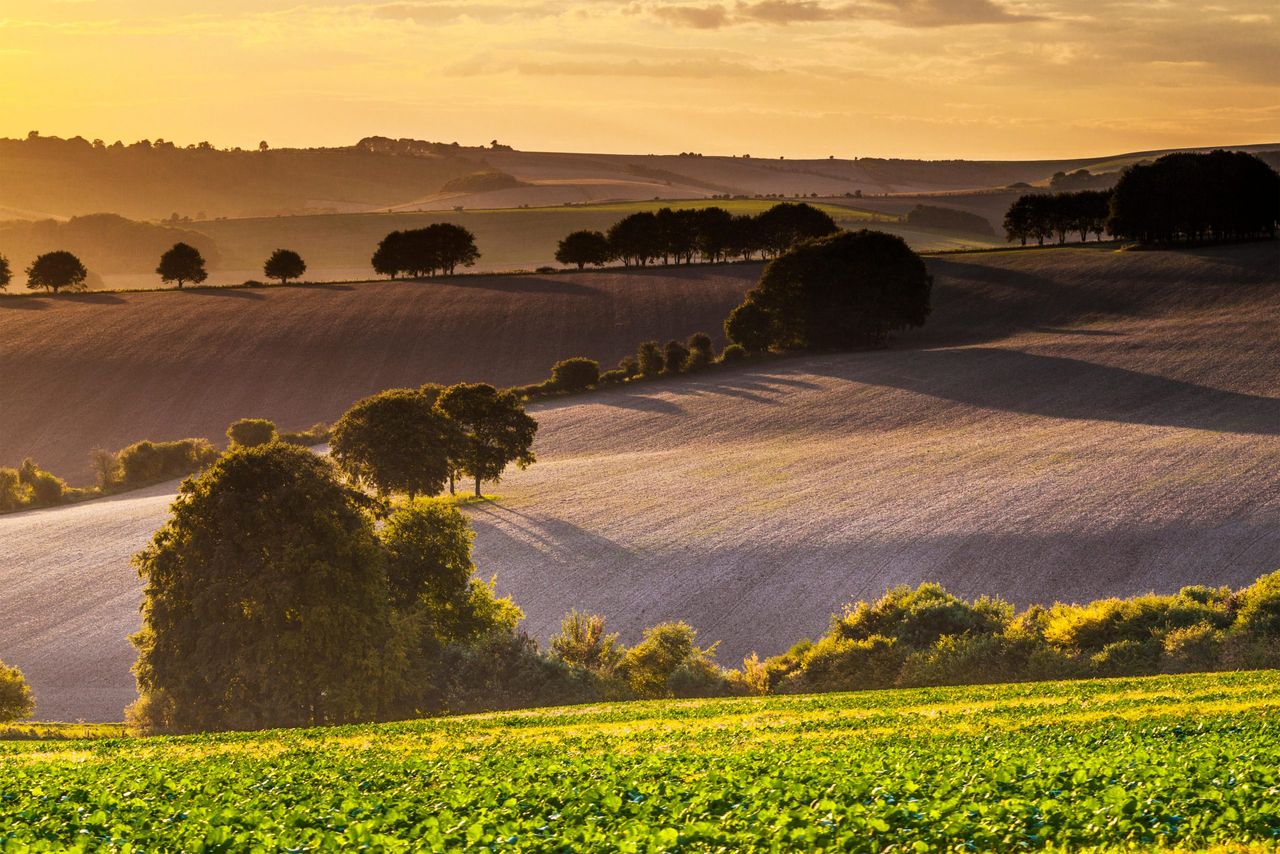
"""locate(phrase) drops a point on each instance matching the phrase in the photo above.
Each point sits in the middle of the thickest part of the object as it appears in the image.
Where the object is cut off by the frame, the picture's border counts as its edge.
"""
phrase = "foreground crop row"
(1186, 761)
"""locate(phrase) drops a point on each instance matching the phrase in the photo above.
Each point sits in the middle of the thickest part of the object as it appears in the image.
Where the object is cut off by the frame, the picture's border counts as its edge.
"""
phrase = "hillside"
(1072, 424)
(1178, 762)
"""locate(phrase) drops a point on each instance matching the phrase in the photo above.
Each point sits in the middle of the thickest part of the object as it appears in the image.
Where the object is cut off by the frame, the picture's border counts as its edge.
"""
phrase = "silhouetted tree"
(452, 246)
(394, 441)
(182, 263)
(678, 234)
(843, 291)
(675, 357)
(701, 352)
(56, 270)
(649, 359)
(1018, 220)
(440, 247)
(748, 326)
(284, 264)
(636, 239)
(6, 274)
(744, 237)
(715, 233)
(583, 248)
(497, 432)
(575, 374)
(784, 225)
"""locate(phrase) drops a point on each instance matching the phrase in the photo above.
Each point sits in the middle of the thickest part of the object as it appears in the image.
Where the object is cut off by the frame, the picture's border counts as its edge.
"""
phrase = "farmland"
(1071, 424)
(1188, 762)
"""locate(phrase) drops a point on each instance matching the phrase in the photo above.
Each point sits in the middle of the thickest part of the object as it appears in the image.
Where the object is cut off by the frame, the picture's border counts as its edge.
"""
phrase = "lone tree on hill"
(495, 427)
(183, 263)
(583, 248)
(284, 264)
(6, 274)
(845, 291)
(395, 441)
(16, 701)
(55, 270)
(266, 600)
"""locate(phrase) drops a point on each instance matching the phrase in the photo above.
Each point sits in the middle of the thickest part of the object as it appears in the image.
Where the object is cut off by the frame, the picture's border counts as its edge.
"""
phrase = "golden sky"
(909, 78)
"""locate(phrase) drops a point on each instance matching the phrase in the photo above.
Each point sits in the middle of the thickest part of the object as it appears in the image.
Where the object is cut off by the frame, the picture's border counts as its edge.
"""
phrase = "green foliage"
(733, 353)
(918, 617)
(251, 432)
(284, 264)
(674, 357)
(428, 549)
(583, 248)
(748, 327)
(494, 428)
(840, 663)
(16, 700)
(575, 374)
(266, 601)
(182, 263)
(439, 248)
(1171, 763)
(701, 352)
(316, 434)
(1259, 614)
(845, 291)
(649, 359)
(583, 643)
(45, 489)
(395, 441)
(54, 271)
(667, 663)
(615, 377)
(146, 462)
(14, 494)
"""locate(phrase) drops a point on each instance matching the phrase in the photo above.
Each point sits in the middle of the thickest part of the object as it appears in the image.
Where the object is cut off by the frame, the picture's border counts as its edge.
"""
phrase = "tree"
(748, 326)
(284, 264)
(1017, 220)
(394, 441)
(182, 263)
(701, 352)
(675, 357)
(715, 233)
(266, 600)
(251, 432)
(786, 224)
(428, 547)
(575, 374)
(6, 274)
(844, 291)
(440, 247)
(16, 700)
(668, 662)
(649, 359)
(495, 427)
(452, 246)
(636, 239)
(583, 248)
(583, 643)
(55, 270)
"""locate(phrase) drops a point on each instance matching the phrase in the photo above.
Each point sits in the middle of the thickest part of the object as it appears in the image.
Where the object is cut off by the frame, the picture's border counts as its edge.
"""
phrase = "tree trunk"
(452, 491)
(478, 486)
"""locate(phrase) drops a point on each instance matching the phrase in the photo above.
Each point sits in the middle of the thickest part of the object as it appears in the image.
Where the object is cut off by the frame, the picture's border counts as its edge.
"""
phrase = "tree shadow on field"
(618, 399)
(518, 285)
(24, 303)
(545, 539)
(321, 286)
(1058, 387)
(239, 293)
(89, 298)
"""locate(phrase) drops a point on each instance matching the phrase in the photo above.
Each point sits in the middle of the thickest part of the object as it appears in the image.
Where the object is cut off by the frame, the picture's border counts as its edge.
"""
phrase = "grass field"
(1071, 424)
(1184, 762)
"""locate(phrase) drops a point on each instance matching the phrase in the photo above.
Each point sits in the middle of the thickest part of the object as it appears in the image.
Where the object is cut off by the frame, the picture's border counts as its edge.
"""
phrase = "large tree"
(784, 225)
(844, 291)
(284, 264)
(440, 247)
(636, 239)
(182, 263)
(495, 428)
(266, 600)
(56, 270)
(395, 441)
(583, 248)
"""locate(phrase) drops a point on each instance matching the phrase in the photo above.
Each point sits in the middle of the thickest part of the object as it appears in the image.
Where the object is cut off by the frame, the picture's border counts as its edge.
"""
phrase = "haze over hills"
(1072, 423)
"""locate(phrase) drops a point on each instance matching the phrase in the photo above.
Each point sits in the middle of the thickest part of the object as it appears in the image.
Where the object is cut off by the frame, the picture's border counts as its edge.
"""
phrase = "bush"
(701, 353)
(1127, 658)
(837, 663)
(917, 618)
(575, 374)
(1088, 629)
(969, 660)
(316, 434)
(1193, 649)
(16, 700)
(649, 360)
(396, 441)
(733, 353)
(251, 432)
(1259, 612)
(507, 671)
(14, 494)
(146, 462)
(614, 377)
(46, 489)
(629, 365)
(583, 643)
(667, 663)
(748, 327)
(675, 357)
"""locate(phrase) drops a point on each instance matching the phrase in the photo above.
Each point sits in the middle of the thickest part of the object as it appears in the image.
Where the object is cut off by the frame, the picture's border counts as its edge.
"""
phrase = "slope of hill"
(1072, 424)
(1175, 763)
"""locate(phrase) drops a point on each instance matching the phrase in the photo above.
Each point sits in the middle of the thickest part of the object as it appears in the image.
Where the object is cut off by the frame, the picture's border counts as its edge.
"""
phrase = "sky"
(999, 79)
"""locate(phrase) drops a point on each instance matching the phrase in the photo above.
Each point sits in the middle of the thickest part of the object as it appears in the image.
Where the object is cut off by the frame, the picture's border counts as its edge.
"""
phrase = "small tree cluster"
(439, 248)
(284, 264)
(30, 487)
(1040, 216)
(56, 271)
(848, 290)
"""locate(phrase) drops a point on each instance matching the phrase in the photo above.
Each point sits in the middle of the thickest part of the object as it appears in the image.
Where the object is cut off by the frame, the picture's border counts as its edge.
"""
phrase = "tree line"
(682, 236)
(1215, 196)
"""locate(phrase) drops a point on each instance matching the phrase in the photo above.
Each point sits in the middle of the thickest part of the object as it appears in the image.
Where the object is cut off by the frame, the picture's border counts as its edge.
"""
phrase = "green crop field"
(1178, 761)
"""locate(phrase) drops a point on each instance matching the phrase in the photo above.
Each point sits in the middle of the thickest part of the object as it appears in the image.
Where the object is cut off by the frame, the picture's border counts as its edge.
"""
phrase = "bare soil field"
(104, 370)
(1072, 424)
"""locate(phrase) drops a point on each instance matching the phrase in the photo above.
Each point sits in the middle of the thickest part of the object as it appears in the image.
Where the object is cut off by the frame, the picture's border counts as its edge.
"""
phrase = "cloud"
(697, 17)
(906, 13)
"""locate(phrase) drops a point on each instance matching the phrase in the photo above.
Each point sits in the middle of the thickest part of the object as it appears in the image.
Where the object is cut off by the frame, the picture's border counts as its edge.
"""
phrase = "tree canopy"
(16, 699)
(583, 248)
(395, 441)
(439, 248)
(182, 263)
(56, 270)
(495, 428)
(843, 291)
(6, 274)
(284, 264)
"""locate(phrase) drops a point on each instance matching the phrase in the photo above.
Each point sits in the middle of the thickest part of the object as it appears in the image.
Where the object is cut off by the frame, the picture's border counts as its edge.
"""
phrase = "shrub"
(16, 700)
(675, 357)
(251, 432)
(507, 671)
(14, 494)
(917, 618)
(316, 434)
(629, 365)
(1259, 612)
(700, 352)
(649, 360)
(106, 469)
(969, 660)
(733, 353)
(668, 661)
(838, 663)
(1127, 658)
(1089, 628)
(47, 489)
(583, 643)
(575, 374)
(614, 377)
(146, 462)
(1192, 649)
(748, 327)
(395, 441)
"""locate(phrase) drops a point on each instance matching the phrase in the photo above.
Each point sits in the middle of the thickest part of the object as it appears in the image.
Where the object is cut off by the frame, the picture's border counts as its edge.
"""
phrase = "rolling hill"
(1073, 423)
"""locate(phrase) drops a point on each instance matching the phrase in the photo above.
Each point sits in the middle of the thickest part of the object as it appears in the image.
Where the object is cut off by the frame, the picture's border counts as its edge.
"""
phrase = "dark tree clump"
(495, 429)
(748, 327)
(636, 239)
(251, 432)
(845, 291)
(583, 248)
(439, 248)
(649, 359)
(182, 263)
(6, 274)
(395, 441)
(675, 357)
(786, 224)
(284, 264)
(575, 374)
(56, 270)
